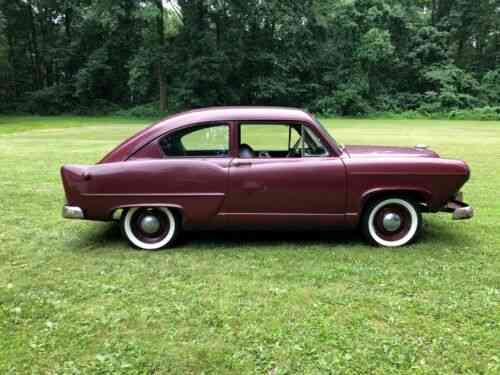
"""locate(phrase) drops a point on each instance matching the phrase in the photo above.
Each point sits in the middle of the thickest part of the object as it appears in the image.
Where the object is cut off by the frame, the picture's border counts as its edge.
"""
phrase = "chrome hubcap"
(150, 224)
(391, 222)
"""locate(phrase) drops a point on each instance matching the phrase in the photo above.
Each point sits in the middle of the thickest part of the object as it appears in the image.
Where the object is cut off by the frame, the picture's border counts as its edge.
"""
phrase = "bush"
(346, 102)
(59, 99)
(149, 110)
(478, 114)
(97, 107)
(490, 86)
(326, 106)
(484, 114)
(48, 101)
(407, 115)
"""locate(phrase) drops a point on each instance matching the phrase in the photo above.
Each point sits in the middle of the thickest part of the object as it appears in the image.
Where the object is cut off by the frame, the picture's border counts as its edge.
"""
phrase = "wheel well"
(420, 198)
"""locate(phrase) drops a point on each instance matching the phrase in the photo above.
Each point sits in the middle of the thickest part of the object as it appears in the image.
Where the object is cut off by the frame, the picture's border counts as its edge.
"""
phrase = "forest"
(332, 57)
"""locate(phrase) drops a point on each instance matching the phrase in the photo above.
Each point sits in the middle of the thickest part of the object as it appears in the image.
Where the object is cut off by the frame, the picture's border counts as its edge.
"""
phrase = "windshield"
(328, 134)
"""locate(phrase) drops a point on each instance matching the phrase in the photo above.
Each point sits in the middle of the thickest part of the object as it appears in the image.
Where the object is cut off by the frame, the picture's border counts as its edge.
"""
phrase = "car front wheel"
(391, 222)
(150, 228)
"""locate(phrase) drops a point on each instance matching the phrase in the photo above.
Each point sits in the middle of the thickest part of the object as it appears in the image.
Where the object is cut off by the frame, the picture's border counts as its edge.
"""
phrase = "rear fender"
(75, 180)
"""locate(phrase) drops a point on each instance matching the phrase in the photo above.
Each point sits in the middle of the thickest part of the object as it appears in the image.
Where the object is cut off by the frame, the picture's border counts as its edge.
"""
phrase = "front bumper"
(459, 209)
(72, 212)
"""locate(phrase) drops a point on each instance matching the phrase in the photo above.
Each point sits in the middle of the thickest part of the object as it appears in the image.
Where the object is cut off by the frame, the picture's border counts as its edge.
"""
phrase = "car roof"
(214, 114)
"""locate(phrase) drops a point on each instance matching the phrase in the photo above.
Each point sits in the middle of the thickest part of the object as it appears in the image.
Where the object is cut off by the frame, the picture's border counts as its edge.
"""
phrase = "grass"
(74, 298)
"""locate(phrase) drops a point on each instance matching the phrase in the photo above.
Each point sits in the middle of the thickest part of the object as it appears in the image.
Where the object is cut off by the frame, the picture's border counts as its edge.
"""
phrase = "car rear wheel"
(391, 222)
(150, 228)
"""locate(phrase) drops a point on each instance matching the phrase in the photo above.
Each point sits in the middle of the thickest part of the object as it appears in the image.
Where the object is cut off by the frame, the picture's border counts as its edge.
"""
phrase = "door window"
(278, 141)
(198, 141)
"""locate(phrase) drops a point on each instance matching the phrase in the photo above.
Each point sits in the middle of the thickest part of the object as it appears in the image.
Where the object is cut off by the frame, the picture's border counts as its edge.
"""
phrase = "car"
(261, 168)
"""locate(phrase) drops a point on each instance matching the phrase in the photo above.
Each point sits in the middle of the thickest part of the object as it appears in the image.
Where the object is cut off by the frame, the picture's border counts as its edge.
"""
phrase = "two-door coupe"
(260, 167)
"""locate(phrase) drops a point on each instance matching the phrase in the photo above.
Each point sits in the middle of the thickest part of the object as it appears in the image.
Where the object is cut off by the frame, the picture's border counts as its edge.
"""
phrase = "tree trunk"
(68, 19)
(162, 84)
(12, 64)
(34, 46)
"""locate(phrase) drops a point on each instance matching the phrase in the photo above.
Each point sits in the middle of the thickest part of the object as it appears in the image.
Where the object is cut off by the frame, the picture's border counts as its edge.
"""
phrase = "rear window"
(197, 141)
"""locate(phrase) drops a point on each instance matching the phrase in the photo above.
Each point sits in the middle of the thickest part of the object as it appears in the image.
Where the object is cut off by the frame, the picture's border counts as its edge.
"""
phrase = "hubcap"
(391, 222)
(150, 224)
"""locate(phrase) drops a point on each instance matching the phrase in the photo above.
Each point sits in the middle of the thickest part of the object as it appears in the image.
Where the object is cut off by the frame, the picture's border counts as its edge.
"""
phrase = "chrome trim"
(459, 196)
(194, 195)
(463, 213)
(458, 208)
(72, 212)
(422, 146)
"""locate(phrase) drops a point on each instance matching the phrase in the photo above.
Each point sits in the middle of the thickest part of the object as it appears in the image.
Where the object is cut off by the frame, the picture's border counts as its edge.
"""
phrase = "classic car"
(261, 167)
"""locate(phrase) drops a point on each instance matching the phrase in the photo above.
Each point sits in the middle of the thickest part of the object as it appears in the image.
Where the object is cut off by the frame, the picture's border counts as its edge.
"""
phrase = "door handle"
(242, 163)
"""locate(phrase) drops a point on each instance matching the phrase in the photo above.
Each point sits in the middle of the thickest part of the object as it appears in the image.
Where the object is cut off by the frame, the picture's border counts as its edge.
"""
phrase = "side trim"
(196, 195)
(274, 214)
(405, 174)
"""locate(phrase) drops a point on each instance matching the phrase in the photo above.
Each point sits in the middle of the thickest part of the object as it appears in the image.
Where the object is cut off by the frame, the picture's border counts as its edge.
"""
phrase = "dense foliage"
(343, 57)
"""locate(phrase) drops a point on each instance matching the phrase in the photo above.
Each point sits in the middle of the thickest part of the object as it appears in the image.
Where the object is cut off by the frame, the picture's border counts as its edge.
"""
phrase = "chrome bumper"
(463, 213)
(459, 209)
(72, 212)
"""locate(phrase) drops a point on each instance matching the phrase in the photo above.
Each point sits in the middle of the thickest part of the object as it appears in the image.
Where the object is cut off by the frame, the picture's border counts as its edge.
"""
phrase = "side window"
(198, 141)
(266, 137)
(278, 141)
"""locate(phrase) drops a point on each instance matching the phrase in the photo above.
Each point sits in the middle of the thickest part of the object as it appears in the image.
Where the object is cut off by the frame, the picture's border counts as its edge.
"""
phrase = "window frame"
(201, 125)
(289, 124)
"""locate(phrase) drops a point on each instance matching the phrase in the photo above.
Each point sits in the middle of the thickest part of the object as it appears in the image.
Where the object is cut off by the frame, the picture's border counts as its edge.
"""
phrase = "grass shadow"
(108, 235)
(269, 239)
(101, 236)
(437, 233)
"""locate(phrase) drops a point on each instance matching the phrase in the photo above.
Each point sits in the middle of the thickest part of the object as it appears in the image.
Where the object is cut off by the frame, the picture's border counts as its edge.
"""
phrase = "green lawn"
(74, 298)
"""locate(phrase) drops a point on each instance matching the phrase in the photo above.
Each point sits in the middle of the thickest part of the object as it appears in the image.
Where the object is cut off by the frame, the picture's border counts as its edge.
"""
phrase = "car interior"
(256, 141)
(198, 141)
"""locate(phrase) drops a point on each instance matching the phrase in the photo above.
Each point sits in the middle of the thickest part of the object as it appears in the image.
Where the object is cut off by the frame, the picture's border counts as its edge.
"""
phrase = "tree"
(347, 57)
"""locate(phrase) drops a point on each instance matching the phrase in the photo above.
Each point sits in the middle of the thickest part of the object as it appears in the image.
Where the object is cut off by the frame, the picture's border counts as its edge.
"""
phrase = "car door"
(274, 187)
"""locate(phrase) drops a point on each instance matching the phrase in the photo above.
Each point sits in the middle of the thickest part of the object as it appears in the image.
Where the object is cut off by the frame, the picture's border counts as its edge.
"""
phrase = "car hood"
(388, 152)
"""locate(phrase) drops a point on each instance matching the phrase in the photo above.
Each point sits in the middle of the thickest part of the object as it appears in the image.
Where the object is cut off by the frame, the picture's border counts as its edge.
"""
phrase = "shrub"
(326, 106)
(485, 114)
(149, 110)
(49, 101)
(96, 107)
(490, 86)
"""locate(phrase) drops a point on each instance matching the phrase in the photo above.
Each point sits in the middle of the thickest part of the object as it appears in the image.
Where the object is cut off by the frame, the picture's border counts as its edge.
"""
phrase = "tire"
(150, 228)
(391, 222)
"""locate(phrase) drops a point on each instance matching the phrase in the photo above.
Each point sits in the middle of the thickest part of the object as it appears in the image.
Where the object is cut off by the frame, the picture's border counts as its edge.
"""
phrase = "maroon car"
(260, 168)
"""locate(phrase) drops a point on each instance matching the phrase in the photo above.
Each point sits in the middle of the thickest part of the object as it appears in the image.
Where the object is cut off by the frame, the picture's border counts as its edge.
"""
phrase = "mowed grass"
(74, 298)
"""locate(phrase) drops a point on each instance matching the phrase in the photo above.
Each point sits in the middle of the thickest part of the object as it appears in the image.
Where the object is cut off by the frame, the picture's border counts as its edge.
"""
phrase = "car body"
(258, 167)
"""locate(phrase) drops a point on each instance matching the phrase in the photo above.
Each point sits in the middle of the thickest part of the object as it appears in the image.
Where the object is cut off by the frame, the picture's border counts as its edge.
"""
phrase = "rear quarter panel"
(197, 187)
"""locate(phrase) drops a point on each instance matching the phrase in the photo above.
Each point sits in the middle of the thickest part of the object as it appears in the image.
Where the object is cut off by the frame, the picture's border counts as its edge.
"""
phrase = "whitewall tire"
(150, 228)
(391, 222)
